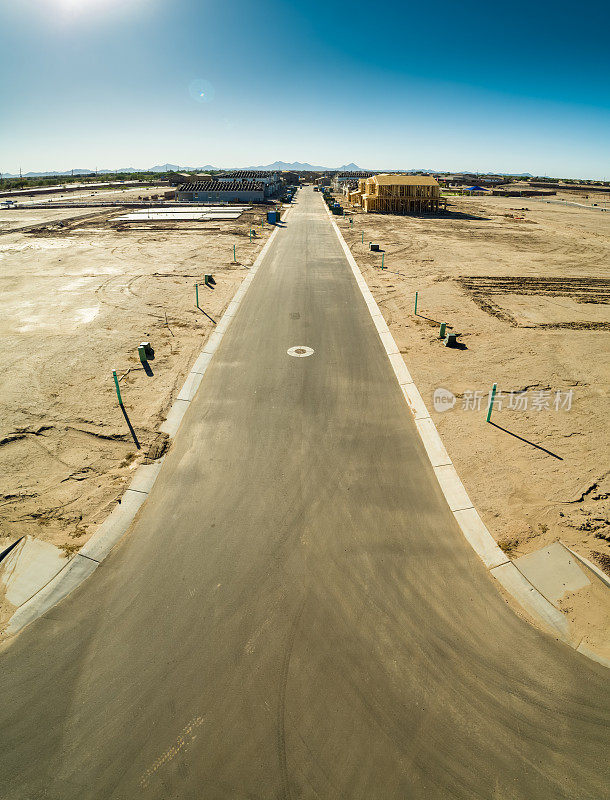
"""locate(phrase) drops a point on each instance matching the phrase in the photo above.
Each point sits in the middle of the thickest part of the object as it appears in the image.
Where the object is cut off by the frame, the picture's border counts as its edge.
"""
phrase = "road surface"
(295, 613)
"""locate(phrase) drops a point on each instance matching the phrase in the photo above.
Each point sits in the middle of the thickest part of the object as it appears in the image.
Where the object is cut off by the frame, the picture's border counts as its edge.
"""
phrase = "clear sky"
(447, 85)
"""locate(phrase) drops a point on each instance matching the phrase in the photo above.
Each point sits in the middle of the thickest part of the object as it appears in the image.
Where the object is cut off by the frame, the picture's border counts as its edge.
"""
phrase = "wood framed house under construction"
(400, 194)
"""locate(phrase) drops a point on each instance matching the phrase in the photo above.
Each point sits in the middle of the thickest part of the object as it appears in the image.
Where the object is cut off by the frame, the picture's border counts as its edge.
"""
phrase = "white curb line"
(84, 563)
(466, 516)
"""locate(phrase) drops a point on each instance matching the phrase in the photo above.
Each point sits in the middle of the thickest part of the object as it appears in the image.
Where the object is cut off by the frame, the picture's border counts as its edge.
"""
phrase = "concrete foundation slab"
(28, 567)
(532, 601)
(553, 570)
(73, 573)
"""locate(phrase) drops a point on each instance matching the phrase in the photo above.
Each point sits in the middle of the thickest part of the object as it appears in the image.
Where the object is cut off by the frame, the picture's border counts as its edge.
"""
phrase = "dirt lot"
(528, 291)
(24, 218)
(76, 300)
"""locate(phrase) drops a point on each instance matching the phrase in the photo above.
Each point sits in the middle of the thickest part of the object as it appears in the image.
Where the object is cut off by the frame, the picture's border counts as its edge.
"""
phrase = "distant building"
(215, 191)
(399, 194)
(343, 177)
(466, 178)
(290, 178)
(176, 178)
(347, 187)
(271, 180)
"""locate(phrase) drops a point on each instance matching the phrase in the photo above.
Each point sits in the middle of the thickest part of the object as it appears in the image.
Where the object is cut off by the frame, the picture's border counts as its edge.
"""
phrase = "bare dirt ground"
(22, 218)
(75, 302)
(528, 291)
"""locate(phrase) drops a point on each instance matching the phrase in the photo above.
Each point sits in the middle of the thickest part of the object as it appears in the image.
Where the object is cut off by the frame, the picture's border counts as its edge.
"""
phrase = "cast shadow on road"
(527, 441)
(130, 426)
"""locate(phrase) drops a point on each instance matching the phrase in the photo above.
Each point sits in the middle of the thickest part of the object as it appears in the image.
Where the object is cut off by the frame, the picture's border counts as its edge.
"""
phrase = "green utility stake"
(234, 258)
(491, 401)
(416, 294)
(197, 294)
(142, 354)
(362, 237)
(116, 383)
(442, 331)
(382, 260)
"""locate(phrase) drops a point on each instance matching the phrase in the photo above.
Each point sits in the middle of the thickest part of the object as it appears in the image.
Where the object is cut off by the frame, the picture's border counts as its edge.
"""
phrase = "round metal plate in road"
(300, 351)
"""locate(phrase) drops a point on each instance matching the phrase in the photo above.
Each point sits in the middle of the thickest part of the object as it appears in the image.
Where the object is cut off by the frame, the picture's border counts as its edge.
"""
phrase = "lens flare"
(201, 91)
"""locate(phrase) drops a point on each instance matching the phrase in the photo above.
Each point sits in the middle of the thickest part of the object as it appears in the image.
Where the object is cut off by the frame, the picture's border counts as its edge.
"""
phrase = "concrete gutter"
(82, 565)
(500, 567)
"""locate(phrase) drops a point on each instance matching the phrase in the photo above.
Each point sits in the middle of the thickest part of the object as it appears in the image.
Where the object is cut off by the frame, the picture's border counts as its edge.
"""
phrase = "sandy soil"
(528, 291)
(589, 614)
(75, 302)
(22, 219)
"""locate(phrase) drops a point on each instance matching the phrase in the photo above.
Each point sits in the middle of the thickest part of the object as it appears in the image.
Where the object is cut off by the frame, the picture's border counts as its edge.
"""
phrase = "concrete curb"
(470, 523)
(590, 565)
(82, 565)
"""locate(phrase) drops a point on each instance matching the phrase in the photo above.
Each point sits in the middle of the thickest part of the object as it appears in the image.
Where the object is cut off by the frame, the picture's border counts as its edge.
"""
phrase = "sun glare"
(83, 6)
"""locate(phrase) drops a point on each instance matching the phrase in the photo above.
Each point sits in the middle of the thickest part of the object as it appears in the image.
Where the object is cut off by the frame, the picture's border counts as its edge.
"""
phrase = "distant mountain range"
(277, 165)
(298, 166)
(295, 166)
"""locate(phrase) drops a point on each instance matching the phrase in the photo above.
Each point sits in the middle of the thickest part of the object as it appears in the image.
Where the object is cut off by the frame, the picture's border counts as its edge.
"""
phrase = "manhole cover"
(300, 351)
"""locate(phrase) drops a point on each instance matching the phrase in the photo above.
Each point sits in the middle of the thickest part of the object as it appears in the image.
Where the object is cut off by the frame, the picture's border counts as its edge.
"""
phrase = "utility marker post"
(416, 294)
(362, 237)
(492, 395)
(116, 384)
(382, 260)
(441, 334)
(234, 258)
(197, 294)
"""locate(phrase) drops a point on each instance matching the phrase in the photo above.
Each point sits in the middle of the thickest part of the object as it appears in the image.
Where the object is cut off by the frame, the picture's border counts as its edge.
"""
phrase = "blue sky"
(447, 85)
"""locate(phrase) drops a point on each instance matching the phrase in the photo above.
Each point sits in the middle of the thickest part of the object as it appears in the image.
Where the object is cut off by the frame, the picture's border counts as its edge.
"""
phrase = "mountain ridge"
(295, 166)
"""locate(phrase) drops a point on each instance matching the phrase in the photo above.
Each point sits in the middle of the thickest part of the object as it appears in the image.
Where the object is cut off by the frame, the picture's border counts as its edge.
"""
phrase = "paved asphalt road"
(295, 613)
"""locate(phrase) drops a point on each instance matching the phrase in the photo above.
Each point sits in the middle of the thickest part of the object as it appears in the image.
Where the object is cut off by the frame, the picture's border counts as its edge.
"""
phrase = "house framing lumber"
(398, 194)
